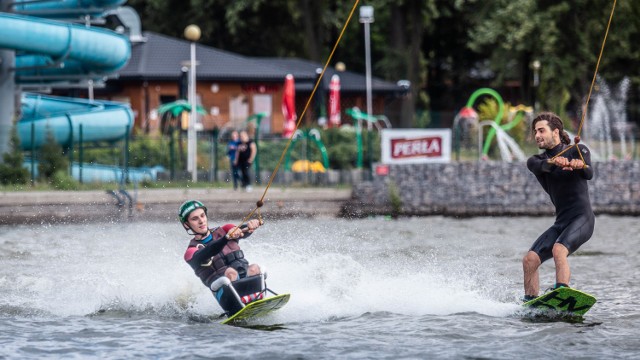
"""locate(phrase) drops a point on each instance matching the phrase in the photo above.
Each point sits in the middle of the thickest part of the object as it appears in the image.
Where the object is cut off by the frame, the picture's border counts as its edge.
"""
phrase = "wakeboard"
(258, 309)
(563, 300)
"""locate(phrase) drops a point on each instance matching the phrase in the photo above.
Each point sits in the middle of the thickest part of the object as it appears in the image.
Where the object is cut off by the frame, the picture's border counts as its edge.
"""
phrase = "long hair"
(554, 123)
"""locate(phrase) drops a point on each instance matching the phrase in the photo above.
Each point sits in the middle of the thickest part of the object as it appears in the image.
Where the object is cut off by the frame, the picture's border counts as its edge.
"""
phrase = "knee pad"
(216, 285)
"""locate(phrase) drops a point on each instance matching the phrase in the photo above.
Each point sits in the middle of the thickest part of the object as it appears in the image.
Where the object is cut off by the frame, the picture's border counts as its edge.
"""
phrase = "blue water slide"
(64, 9)
(49, 51)
(53, 50)
(63, 117)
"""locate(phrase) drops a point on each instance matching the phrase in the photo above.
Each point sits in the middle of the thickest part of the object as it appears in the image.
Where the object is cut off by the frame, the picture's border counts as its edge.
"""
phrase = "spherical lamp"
(192, 33)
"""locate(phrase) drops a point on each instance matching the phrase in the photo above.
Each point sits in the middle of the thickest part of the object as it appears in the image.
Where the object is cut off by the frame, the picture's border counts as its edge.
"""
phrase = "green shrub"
(341, 146)
(11, 169)
(144, 151)
(269, 154)
(61, 180)
(109, 155)
(147, 151)
(395, 199)
(51, 158)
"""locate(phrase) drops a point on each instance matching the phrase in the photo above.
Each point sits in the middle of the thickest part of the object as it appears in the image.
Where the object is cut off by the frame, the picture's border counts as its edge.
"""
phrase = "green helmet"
(188, 207)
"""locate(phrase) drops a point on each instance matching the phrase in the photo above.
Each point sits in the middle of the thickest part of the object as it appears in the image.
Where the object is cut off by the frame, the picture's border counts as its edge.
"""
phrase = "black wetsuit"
(244, 155)
(569, 193)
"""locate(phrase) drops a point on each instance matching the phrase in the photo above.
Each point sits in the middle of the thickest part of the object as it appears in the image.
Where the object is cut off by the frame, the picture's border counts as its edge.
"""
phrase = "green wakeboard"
(563, 300)
(258, 308)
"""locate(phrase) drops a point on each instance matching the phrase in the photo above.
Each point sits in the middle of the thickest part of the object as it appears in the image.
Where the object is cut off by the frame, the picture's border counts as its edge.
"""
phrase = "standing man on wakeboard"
(214, 252)
(564, 178)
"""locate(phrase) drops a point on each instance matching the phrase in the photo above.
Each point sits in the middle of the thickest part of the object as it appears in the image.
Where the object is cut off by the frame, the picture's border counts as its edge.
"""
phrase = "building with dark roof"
(231, 87)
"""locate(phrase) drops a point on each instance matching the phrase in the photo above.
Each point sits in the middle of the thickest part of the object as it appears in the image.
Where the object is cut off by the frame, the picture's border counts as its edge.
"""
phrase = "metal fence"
(163, 157)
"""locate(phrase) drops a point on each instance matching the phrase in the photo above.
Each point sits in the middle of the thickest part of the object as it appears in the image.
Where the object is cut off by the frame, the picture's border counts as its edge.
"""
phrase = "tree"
(454, 70)
(12, 169)
(565, 36)
(51, 158)
(398, 35)
(443, 47)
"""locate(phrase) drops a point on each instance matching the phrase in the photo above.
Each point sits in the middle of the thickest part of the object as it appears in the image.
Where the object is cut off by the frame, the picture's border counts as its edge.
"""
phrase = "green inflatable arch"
(314, 136)
(498, 118)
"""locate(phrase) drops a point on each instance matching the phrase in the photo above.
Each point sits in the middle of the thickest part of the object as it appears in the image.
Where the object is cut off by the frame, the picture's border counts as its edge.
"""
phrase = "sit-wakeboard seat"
(230, 294)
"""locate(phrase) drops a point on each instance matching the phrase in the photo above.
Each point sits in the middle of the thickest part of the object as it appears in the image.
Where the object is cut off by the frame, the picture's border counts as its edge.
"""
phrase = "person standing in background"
(245, 155)
(232, 149)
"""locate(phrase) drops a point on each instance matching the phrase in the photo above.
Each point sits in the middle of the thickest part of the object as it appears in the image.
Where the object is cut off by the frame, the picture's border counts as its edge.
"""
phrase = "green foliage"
(108, 155)
(144, 151)
(564, 35)
(61, 180)
(443, 47)
(375, 146)
(341, 148)
(521, 131)
(147, 151)
(51, 158)
(488, 110)
(12, 170)
(269, 154)
(340, 144)
(394, 199)
(342, 155)
(423, 119)
(306, 29)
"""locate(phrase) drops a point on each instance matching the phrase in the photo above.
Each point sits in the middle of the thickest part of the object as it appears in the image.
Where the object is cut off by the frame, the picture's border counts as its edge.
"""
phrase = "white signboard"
(415, 146)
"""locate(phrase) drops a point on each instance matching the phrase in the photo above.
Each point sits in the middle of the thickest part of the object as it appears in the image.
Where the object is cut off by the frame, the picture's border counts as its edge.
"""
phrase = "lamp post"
(536, 82)
(192, 33)
(366, 18)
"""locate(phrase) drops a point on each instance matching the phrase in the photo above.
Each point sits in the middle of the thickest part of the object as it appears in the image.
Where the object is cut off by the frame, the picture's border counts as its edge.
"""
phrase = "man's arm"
(200, 255)
(254, 150)
(247, 228)
(586, 173)
(538, 165)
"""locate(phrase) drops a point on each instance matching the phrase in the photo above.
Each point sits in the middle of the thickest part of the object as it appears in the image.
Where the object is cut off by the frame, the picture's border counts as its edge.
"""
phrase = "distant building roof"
(161, 58)
(349, 81)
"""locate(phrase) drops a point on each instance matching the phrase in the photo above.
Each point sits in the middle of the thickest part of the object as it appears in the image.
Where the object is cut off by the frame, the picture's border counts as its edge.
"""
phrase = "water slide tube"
(51, 51)
(65, 9)
(100, 120)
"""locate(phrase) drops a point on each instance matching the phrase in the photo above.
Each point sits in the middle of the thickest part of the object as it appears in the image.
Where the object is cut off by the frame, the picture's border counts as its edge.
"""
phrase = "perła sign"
(407, 146)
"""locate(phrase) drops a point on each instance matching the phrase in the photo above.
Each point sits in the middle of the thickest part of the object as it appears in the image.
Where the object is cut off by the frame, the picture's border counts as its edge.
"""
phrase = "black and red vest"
(216, 265)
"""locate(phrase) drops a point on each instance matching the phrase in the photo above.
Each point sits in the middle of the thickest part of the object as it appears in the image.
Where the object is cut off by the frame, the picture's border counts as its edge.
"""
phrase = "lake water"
(415, 288)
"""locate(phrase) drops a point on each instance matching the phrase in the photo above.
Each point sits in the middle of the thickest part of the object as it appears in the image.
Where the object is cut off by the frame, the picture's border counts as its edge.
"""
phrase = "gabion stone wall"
(486, 189)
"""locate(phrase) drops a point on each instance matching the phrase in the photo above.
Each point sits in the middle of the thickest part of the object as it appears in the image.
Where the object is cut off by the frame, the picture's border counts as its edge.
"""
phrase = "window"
(262, 103)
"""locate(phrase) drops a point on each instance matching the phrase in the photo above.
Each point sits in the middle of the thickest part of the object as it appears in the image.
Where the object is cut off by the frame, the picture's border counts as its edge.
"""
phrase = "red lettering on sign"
(382, 170)
(260, 88)
(403, 148)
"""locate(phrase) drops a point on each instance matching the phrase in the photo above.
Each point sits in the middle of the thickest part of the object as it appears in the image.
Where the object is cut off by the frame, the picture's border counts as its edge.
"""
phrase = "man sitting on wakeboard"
(564, 177)
(215, 252)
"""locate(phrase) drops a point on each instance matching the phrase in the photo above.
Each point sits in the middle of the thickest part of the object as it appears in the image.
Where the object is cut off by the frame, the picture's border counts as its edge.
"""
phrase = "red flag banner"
(334, 101)
(289, 106)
